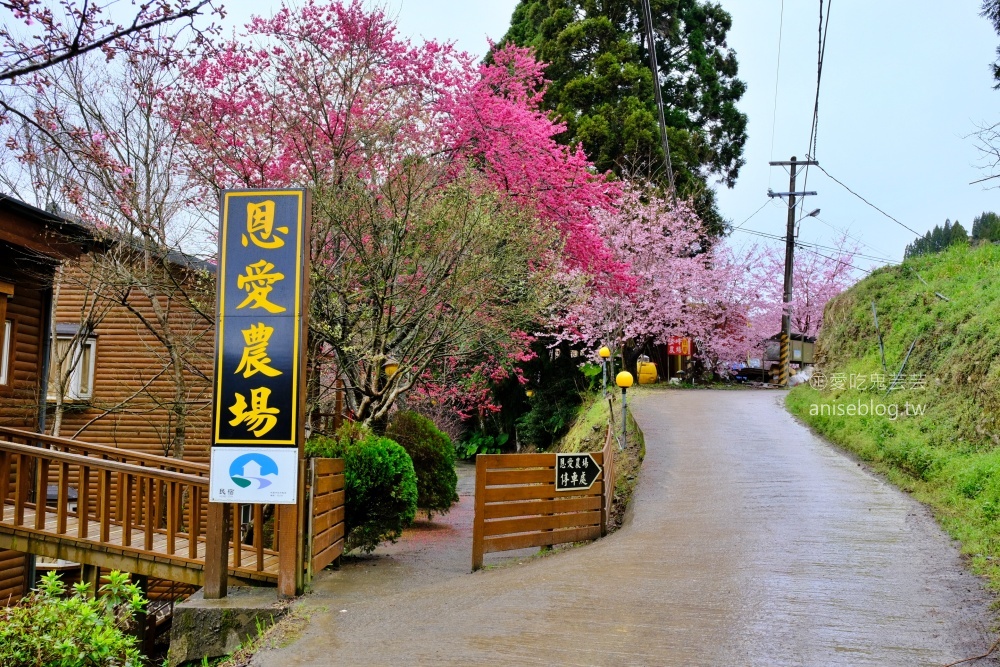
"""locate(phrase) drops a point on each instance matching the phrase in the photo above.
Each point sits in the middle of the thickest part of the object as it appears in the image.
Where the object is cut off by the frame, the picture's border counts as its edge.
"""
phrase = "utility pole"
(653, 65)
(786, 299)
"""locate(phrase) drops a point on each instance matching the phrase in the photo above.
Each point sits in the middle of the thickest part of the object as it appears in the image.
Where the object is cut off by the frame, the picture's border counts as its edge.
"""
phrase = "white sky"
(904, 84)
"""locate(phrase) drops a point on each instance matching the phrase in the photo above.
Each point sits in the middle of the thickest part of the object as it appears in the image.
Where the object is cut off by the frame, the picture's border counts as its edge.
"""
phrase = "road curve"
(751, 542)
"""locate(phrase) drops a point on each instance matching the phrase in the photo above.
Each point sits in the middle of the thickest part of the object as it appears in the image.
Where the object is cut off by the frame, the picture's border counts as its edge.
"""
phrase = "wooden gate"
(517, 505)
(326, 513)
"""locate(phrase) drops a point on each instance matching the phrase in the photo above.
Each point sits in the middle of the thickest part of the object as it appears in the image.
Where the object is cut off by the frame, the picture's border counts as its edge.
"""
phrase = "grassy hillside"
(587, 435)
(937, 434)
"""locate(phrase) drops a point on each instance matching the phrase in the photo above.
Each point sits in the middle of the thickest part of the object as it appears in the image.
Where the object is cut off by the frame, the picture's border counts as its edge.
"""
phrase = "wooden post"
(291, 539)
(144, 630)
(289, 562)
(217, 552)
(91, 575)
(478, 545)
(310, 512)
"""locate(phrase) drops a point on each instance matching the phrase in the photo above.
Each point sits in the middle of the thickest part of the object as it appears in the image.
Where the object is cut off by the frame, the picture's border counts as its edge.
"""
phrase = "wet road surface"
(750, 542)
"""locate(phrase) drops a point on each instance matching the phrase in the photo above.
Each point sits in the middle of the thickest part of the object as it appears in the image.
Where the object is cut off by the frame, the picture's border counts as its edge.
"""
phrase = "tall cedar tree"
(602, 87)
(991, 12)
(986, 227)
(938, 239)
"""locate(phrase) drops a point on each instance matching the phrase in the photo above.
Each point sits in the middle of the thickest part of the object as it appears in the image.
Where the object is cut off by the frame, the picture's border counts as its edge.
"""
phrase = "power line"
(824, 30)
(753, 214)
(658, 93)
(853, 238)
(777, 73)
(806, 245)
(843, 185)
(839, 261)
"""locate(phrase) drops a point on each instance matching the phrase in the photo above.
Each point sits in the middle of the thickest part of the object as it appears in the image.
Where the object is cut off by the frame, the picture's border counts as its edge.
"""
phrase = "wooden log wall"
(12, 573)
(19, 398)
(133, 380)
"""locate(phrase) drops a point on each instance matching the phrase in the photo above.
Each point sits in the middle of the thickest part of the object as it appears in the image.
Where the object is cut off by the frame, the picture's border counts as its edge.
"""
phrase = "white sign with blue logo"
(253, 475)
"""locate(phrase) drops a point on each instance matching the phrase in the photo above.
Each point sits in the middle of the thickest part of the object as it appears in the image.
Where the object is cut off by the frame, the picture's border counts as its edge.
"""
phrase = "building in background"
(33, 243)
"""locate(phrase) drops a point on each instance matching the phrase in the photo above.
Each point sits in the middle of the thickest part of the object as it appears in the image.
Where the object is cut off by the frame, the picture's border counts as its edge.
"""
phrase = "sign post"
(259, 406)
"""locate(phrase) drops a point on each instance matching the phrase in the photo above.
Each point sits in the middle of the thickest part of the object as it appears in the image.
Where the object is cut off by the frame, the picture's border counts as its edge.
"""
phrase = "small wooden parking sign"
(576, 472)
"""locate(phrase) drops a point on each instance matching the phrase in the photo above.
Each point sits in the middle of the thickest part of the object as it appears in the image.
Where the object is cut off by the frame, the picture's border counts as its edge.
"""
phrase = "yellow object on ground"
(647, 372)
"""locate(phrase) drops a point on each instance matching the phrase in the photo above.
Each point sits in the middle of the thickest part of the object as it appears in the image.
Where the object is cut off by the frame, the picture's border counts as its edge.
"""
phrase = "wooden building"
(32, 244)
(132, 354)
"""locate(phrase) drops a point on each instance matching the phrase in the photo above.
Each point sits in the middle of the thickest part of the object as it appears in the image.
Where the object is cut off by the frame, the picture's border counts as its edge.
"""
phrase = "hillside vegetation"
(937, 433)
(587, 434)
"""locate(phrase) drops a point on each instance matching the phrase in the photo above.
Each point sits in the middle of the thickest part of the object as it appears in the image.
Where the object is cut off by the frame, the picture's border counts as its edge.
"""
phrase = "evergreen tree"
(986, 227)
(602, 87)
(991, 11)
(938, 239)
(958, 234)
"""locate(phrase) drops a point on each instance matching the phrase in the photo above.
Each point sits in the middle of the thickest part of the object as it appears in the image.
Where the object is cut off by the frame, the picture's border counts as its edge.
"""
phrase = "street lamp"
(624, 380)
(605, 353)
(811, 214)
(390, 367)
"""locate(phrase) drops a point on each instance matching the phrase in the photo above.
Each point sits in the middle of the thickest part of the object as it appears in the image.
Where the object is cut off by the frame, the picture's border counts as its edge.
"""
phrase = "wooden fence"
(609, 475)
(326, 513)
(517, 505)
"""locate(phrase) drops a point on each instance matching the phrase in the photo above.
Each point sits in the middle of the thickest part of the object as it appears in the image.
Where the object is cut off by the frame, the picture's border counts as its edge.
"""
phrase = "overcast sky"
(904, 85)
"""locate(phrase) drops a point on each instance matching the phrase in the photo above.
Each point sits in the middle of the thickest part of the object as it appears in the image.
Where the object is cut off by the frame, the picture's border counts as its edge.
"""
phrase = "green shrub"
(49, 629)
(553, 409)
(433, 459)
(321, 446)
(381, 497)
(380, 484)
(480, 442)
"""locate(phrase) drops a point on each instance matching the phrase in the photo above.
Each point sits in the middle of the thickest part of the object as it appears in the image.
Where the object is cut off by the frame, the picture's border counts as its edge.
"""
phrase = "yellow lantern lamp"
(604, 352)
(624, 380)
(390, 367)
(529, 393)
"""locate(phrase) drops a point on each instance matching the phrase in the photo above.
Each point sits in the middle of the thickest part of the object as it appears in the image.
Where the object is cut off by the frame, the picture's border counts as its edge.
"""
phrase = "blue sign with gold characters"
(260, 334)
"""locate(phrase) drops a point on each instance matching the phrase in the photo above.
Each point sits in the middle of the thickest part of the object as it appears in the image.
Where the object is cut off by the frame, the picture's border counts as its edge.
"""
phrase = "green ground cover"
(936, 432)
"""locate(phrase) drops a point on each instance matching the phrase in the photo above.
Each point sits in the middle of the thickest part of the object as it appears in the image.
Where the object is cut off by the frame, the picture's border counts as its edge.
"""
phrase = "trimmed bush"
(48, 628)
(433, 460)
(381, 492)
(325, 447)
(380, 485)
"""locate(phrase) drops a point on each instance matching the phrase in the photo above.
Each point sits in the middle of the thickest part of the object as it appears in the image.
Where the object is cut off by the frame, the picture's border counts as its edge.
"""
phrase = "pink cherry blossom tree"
(442, 202)
(39, 35)
(678, 282)
(683, 283)
(818, 276)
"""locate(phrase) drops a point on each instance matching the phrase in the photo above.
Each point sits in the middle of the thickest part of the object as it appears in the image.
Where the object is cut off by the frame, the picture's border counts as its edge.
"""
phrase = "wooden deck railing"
(102, 451)
(138, 506)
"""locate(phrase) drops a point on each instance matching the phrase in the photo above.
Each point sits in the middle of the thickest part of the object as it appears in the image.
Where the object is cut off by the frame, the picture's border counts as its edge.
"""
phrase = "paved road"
(751, 542)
